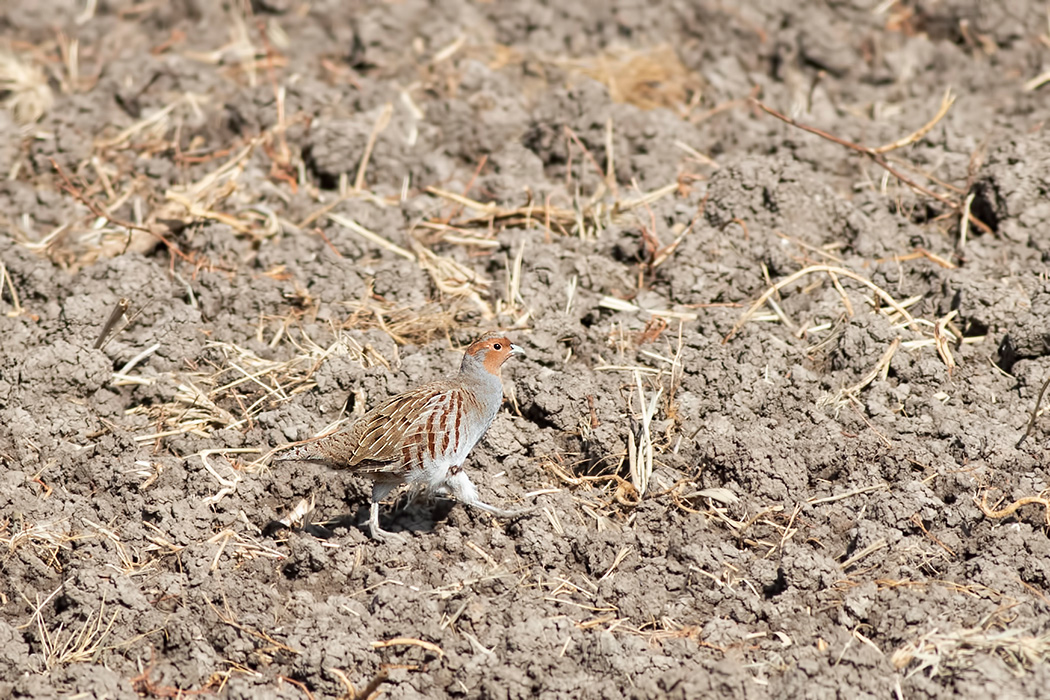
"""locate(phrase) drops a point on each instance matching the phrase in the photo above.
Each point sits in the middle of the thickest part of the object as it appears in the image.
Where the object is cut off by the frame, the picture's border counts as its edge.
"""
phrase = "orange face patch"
(495, 352)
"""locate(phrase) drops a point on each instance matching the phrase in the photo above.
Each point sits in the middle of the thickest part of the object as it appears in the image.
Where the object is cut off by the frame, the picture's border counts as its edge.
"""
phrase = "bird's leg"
(380, 490)
(464, 491)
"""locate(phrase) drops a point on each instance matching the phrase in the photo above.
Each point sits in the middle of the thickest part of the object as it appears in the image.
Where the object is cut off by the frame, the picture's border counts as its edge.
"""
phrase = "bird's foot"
(378, 533)
(381, 535)
(464, 491)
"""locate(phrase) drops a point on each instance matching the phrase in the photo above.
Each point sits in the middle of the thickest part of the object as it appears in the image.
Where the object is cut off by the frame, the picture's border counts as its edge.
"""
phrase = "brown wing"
(384, 439)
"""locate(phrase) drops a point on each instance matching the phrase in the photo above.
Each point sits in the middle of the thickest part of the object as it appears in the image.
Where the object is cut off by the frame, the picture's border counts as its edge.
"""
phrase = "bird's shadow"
(407, 515)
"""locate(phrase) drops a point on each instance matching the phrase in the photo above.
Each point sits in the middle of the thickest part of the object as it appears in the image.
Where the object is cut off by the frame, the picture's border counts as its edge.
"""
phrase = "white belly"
(436, 471)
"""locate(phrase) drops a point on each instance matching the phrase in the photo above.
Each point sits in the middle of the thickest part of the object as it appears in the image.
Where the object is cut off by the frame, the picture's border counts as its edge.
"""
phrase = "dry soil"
(292, 210)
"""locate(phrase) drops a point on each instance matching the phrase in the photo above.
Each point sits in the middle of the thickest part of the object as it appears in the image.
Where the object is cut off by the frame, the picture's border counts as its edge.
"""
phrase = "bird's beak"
(516, 349)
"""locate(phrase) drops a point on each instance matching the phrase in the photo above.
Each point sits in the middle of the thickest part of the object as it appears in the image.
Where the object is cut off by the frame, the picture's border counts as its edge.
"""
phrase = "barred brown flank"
(445, 440)
(431, 434)
(458, 413)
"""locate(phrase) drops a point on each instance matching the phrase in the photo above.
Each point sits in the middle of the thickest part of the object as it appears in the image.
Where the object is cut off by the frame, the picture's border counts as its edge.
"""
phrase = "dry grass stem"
(584, 219)
(256, 385)
(880, 370)
(119, 313)
(244, 548)
(60, 647)
(156, 122)
(625, 493)
(1037, 82)
(616, 304)
(49, 537)
(1035, 413)
(122, 377)
(870, 549)
(848, 494)
(227, 618)
(877, 154)
(647, 78)
(645, 199)
(296, 517)
(371, 690)
(371, 237)
(792, 278)
(943, 339)
(404, 324)
(382, 121)
(1013, 507)
(946, 104)
(129, 564)
(23, 88)
(455, 279)
(514, 305)
(700, 157)
(6, 281)
(946, 652)
(964, 222)
(640, 449)
(234, 476)
(200, 199)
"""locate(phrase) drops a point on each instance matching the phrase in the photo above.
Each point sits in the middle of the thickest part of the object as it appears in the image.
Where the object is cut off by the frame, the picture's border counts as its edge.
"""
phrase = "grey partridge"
(422, 437)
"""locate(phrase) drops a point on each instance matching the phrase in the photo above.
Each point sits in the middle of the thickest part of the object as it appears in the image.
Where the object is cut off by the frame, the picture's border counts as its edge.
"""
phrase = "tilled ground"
(774, 384)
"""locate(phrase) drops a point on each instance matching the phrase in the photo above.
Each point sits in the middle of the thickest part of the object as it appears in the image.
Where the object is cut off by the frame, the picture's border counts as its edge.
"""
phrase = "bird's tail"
(333, 450)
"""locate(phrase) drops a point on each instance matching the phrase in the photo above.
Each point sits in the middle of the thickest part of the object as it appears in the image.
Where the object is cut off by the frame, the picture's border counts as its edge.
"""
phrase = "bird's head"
(490, 352)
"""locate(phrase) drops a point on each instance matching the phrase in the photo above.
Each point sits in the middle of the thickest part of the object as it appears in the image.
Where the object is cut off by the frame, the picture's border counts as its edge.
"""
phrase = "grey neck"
(488, 387)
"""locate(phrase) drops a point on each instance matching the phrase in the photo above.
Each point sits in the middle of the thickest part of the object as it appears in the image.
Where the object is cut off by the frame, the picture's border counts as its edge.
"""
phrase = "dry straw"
(24, 88)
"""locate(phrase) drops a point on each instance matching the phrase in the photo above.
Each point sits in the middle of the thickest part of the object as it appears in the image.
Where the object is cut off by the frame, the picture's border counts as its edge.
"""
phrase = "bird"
(423, 436)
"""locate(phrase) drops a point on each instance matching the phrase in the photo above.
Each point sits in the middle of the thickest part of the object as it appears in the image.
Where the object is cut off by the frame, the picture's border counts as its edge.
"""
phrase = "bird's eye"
(497, 346)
